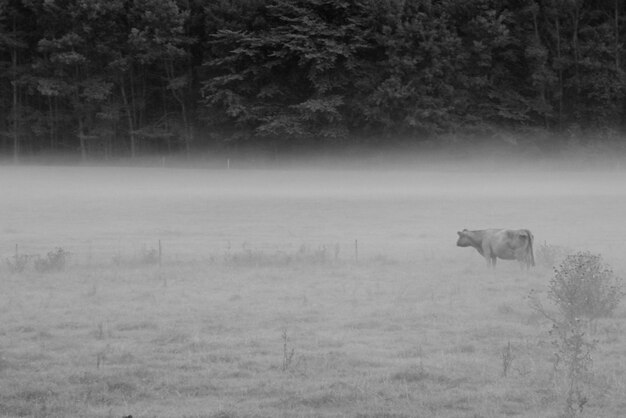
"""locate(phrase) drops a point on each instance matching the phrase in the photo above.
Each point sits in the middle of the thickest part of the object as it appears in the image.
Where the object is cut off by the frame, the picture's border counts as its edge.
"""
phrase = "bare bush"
(583, 289)
(53, 262)
(149, 256)
(288, 352)
(145, 257)
(549, 255)
(507, 359)
(17, 263)
(573, 356)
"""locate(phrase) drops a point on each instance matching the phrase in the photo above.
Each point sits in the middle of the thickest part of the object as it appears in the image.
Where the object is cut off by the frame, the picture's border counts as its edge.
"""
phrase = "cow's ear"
(460, 233)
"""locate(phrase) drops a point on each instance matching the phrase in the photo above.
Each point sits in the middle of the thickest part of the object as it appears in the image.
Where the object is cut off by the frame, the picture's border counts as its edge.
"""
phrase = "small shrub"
(149, 257)
(145, 257)
(507, 359)
(288, 353)
(573, 355)
(549, 255)
(584, 287)
(313, 256)
(255, 258)
(54, 261)
(17, 263)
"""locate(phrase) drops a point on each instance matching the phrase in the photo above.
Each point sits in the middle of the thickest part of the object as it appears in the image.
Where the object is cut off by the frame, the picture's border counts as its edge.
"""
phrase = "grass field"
(293, 293)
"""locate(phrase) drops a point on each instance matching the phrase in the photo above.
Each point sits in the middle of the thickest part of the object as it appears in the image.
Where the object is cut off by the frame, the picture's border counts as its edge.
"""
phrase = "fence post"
(160, 254)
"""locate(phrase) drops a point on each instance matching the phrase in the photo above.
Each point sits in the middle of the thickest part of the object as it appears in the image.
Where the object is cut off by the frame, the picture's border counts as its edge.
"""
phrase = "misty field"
(294, 293)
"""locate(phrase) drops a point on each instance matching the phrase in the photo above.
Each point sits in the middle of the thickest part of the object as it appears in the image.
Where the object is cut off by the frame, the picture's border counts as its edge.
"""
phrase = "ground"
(294, 293)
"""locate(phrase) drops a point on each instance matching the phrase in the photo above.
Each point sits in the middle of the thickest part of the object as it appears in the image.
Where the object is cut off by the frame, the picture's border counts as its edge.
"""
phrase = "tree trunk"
(560, 71)
(51, 116)
(16, 110)
(188, 131)
(616, 29)
(542, 88)
(180, 98)
(129, 116)
(576, 23)
(82, 139)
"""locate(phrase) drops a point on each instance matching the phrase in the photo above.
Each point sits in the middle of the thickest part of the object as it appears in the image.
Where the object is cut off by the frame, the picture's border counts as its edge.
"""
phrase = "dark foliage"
(104, 78)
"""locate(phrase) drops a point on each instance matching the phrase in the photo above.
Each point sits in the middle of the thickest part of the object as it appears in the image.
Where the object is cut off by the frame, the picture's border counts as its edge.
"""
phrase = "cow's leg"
(488, 260)
(488, 256)
(524, 263)
(522, 259)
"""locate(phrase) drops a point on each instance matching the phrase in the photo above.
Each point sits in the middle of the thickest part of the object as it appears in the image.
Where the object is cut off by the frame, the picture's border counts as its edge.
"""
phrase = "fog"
(43, 182)
(392, 210)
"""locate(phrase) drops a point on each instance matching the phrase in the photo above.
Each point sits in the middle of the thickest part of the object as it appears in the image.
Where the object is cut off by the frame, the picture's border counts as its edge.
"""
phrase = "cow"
(506, 244)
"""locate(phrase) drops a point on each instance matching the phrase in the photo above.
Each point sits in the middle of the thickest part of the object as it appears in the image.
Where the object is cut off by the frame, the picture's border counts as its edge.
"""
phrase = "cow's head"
(464, 239)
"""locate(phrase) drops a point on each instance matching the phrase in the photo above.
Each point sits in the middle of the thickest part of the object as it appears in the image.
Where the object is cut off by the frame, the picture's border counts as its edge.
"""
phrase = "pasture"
(294, 293)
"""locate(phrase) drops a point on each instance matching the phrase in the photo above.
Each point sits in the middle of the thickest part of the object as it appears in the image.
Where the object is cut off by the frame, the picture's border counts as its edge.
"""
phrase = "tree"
(70, 67)
(155, 43)
(12, 41)
(128, 77)
(290, 79)
(419, 94)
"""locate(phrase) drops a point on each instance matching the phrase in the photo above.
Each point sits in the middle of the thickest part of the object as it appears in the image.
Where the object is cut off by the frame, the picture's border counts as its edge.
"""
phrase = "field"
(294, 293)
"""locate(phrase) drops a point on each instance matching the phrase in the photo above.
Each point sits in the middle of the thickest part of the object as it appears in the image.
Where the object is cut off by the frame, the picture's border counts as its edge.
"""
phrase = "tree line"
(107, 78)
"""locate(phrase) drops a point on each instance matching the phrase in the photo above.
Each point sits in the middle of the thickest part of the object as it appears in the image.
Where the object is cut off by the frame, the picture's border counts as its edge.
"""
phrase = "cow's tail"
(530, 248)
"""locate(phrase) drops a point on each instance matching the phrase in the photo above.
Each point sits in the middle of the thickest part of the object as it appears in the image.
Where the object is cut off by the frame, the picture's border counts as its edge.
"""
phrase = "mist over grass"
(395, 209)
(502, 150)
(411, 325)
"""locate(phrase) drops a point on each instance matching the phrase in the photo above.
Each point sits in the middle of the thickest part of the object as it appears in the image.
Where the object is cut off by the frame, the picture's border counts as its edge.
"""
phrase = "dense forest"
(112, 78)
